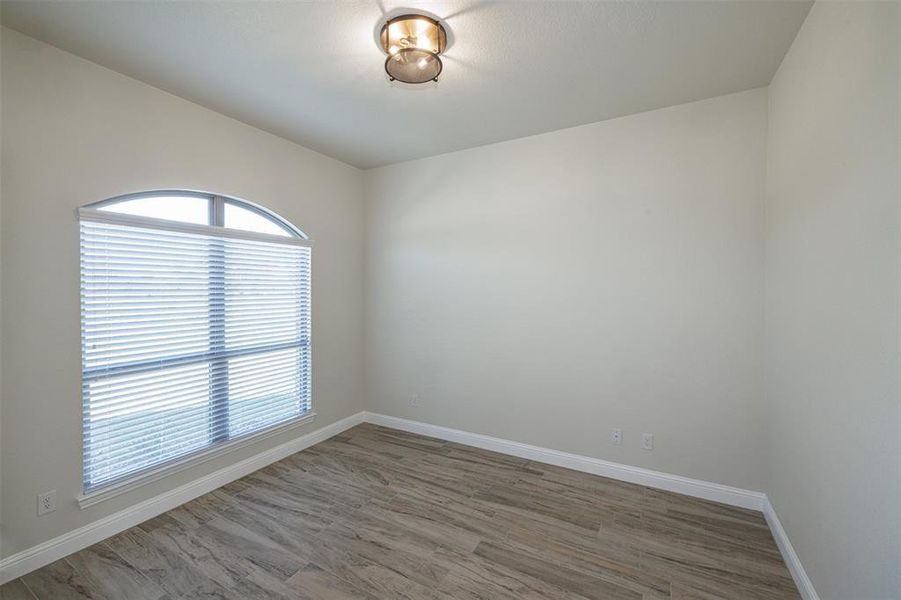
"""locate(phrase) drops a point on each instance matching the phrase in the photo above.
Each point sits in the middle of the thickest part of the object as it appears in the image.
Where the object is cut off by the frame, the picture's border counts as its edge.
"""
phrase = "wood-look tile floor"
(375, 513)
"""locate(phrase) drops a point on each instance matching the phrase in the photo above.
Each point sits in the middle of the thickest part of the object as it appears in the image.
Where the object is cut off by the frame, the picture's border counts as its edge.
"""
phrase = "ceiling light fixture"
(413, 43)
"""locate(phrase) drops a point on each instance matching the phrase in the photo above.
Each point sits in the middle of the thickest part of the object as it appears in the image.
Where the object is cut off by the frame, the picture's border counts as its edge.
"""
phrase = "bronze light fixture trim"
(413, 43)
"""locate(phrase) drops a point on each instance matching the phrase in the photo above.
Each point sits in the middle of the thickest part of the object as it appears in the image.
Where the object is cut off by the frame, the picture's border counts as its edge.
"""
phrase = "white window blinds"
(192, 336)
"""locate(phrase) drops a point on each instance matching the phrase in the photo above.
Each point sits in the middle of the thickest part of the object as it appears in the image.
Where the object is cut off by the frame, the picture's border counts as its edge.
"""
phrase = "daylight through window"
(195, 321)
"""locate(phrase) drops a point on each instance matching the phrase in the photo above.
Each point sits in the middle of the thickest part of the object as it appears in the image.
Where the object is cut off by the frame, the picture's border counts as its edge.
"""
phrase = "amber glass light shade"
(413, 43)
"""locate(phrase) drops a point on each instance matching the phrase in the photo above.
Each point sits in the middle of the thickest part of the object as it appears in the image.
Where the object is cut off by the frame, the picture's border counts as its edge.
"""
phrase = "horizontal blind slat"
(190, 337)
(166, 392)
(185, 424)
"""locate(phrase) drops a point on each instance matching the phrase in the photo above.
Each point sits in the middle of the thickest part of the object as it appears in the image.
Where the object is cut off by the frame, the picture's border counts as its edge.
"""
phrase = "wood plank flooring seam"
(375, 513)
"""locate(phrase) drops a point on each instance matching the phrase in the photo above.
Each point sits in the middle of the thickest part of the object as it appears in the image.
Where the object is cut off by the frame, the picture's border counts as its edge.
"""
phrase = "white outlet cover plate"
(46, 502)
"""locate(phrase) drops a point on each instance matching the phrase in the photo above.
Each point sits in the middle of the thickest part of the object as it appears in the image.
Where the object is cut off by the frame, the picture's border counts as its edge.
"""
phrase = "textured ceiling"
(311, 71)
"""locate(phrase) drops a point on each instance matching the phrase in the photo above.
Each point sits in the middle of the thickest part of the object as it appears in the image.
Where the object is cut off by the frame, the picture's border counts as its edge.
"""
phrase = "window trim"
(215, 198)
(87, 213)
(296, 237)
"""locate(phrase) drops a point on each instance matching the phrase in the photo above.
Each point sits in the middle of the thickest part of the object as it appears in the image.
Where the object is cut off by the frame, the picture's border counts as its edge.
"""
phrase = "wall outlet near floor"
(414, 399)
(46, 502)
(617, 437)
(647, 441)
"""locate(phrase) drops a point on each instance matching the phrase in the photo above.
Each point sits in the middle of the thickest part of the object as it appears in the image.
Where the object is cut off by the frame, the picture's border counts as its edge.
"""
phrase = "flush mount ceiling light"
(413, 43)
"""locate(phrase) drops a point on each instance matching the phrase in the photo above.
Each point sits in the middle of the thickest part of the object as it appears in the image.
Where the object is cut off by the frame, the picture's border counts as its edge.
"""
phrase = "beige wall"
(552, 288)
(832, 325)
(73, 133)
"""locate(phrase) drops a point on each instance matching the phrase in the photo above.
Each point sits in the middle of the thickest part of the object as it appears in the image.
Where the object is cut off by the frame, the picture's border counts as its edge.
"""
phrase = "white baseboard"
(45, 553)
(655, 479)
(805, 586)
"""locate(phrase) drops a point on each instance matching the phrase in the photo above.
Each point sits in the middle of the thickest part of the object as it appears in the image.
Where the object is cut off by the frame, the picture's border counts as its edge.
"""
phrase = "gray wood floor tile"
(241, 544)
(107, 572)
(60, 581)
(621, 568)
(200, 510)
(375, 514)
(313, 583)
(173, 569)
(471, 576)
(377, 563)
(15, 590)
(588, 586)
(194, 554)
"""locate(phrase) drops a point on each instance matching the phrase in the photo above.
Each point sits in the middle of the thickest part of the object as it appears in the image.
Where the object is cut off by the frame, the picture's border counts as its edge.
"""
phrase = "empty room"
(450, 300)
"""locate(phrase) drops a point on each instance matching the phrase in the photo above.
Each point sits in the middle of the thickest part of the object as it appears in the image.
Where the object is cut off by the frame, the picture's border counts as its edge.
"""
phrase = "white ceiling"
(311, 71)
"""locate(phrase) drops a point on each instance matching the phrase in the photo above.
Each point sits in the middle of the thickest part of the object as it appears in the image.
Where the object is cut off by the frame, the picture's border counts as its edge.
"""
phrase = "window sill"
(121, 487)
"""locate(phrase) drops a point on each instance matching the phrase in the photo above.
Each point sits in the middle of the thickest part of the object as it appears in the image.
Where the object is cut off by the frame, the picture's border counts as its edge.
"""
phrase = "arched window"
(195, 312)
(200, 209)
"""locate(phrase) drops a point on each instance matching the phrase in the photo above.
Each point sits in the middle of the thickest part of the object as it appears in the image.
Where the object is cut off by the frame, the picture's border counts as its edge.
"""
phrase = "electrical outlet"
(46, 502)
(617, 437)
(414, 399)
(647, 441)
